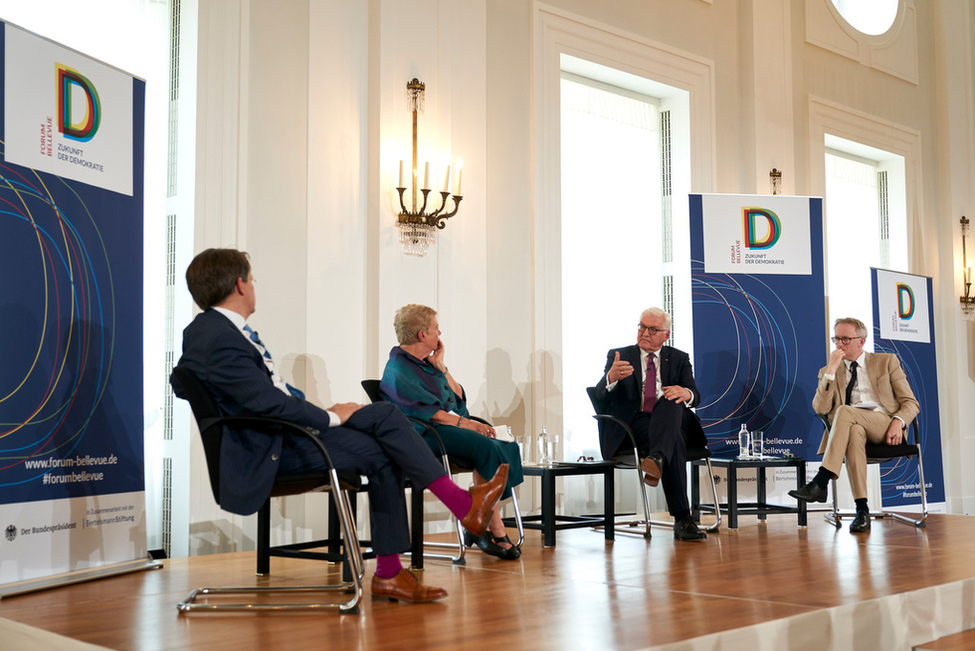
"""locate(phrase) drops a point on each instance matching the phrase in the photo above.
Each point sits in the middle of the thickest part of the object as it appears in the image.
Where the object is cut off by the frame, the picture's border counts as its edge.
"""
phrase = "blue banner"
(759, 318)
(72, 472)
(903, 316)
(71, 264)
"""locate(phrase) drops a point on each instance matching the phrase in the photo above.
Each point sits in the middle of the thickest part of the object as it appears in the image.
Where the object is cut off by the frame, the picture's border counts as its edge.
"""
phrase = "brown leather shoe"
(653, 466)
(485, 498)
(405, 587)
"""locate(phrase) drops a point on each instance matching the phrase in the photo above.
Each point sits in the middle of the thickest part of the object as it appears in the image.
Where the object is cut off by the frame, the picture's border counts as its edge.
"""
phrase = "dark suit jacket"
(235, 374)
(626, 400)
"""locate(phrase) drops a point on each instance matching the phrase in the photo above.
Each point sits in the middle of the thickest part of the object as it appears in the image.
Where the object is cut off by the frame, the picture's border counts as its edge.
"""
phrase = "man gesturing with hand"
(651, 387)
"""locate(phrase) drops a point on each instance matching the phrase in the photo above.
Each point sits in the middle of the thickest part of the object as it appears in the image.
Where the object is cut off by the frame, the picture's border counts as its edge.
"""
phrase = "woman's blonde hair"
(410, 320)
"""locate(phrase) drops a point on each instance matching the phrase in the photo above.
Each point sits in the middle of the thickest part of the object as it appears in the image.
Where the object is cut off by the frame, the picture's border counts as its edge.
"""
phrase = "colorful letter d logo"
(72, 86)
(905, 301)
(752, 218)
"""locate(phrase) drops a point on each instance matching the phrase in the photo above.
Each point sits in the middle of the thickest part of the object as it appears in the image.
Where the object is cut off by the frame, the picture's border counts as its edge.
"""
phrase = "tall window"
(611, 234)
(865, 224)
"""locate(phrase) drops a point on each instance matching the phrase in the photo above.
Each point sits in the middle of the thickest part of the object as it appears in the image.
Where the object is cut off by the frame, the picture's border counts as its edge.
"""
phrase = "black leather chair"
(454, 466)
(630, 460)
(879, 453)
(337, 482)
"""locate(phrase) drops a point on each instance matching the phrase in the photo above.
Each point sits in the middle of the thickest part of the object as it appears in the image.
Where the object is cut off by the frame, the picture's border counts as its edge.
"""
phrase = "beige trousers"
(852, 429)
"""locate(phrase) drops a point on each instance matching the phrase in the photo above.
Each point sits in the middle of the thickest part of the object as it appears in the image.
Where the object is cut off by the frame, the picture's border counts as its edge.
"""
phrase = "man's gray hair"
(656, 313)
(856, 323)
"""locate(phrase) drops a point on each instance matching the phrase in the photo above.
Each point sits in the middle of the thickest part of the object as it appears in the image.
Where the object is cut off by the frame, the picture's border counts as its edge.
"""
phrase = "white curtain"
(852, 237)
(611, 256)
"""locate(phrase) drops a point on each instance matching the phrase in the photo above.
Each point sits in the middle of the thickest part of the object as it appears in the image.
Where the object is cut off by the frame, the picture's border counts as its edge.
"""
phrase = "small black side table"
(761, 508)
(549, 521)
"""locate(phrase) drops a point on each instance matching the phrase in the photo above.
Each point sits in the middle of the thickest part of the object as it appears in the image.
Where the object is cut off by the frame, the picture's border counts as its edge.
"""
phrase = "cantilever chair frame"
(879, 453)
(338, 483)
(452, 466)
(642, 526)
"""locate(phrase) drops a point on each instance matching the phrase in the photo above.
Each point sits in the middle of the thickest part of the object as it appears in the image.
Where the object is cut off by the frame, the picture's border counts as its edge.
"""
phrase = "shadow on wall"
(310, 374)
(506, 405)
(218, 537)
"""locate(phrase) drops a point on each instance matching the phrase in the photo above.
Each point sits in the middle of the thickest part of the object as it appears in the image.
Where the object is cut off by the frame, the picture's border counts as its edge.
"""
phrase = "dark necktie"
(260, 344)
(650, 384)
(269, 361)
(851, 383)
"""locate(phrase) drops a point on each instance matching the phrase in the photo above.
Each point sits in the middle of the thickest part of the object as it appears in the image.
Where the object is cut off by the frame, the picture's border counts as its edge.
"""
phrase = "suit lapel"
(632, 355)
(874, 370)
(880, 382)
(224, 323)
(665, 366)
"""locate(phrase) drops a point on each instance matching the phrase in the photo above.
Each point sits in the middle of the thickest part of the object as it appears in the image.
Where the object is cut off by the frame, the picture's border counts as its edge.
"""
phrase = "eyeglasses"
(844, 340)
(583, 459)
(653, 331)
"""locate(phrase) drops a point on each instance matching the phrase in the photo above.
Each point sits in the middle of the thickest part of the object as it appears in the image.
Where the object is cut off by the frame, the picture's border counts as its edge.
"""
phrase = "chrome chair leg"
(518, 522)
(714, 496)
(353, 553)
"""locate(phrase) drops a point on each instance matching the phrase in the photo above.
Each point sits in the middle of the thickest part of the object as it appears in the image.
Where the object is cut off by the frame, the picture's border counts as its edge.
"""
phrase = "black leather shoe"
(811, 492)
(513, 552)
(653, 467)
(488, 546)
(861, 523)
(686, 529)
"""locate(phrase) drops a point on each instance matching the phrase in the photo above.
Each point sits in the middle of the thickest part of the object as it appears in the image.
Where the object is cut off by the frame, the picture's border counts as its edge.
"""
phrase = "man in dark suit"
(374, 440)
(657, 407)
(866, 399)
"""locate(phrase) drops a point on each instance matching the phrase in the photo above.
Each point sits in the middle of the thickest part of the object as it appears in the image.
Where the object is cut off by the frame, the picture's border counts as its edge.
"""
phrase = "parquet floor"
(583, 594)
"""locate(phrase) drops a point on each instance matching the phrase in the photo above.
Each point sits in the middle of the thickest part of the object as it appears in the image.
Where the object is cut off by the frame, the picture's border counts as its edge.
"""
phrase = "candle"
(460, 170)
(400, 174)
(968, 272)
(426, 175)
(446, 179)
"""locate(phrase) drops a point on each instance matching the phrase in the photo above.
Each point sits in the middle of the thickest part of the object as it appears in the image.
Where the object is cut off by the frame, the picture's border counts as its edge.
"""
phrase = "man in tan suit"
(867, 399)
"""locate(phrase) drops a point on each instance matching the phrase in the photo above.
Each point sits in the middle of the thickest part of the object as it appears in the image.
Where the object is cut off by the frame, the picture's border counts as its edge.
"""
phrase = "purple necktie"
(650, 384)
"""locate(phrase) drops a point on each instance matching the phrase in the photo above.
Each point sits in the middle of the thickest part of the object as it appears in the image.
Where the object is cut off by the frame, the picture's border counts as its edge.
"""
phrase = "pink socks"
(388, 566)
(457, 500)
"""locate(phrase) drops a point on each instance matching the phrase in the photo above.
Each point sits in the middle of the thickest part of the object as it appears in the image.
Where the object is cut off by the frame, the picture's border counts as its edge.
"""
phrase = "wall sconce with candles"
(967, 301)
(775, 180)
(418, 228)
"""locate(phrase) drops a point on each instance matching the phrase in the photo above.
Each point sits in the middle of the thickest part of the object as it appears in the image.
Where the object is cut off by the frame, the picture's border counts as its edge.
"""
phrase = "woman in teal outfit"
(416, 378)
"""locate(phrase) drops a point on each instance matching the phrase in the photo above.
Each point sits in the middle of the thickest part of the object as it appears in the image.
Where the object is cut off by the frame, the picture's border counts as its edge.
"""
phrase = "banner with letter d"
(903, 317)
(72, 475)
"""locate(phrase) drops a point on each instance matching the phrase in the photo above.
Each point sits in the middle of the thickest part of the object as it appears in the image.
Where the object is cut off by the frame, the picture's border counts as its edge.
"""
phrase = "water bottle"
(543, 457)
(744, 444)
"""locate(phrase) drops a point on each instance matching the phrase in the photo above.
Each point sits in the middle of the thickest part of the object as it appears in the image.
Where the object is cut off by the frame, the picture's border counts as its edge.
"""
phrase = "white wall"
(301, 132)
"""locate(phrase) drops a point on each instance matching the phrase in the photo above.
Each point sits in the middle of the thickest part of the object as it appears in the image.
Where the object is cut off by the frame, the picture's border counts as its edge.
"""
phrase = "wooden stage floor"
(765, 586)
